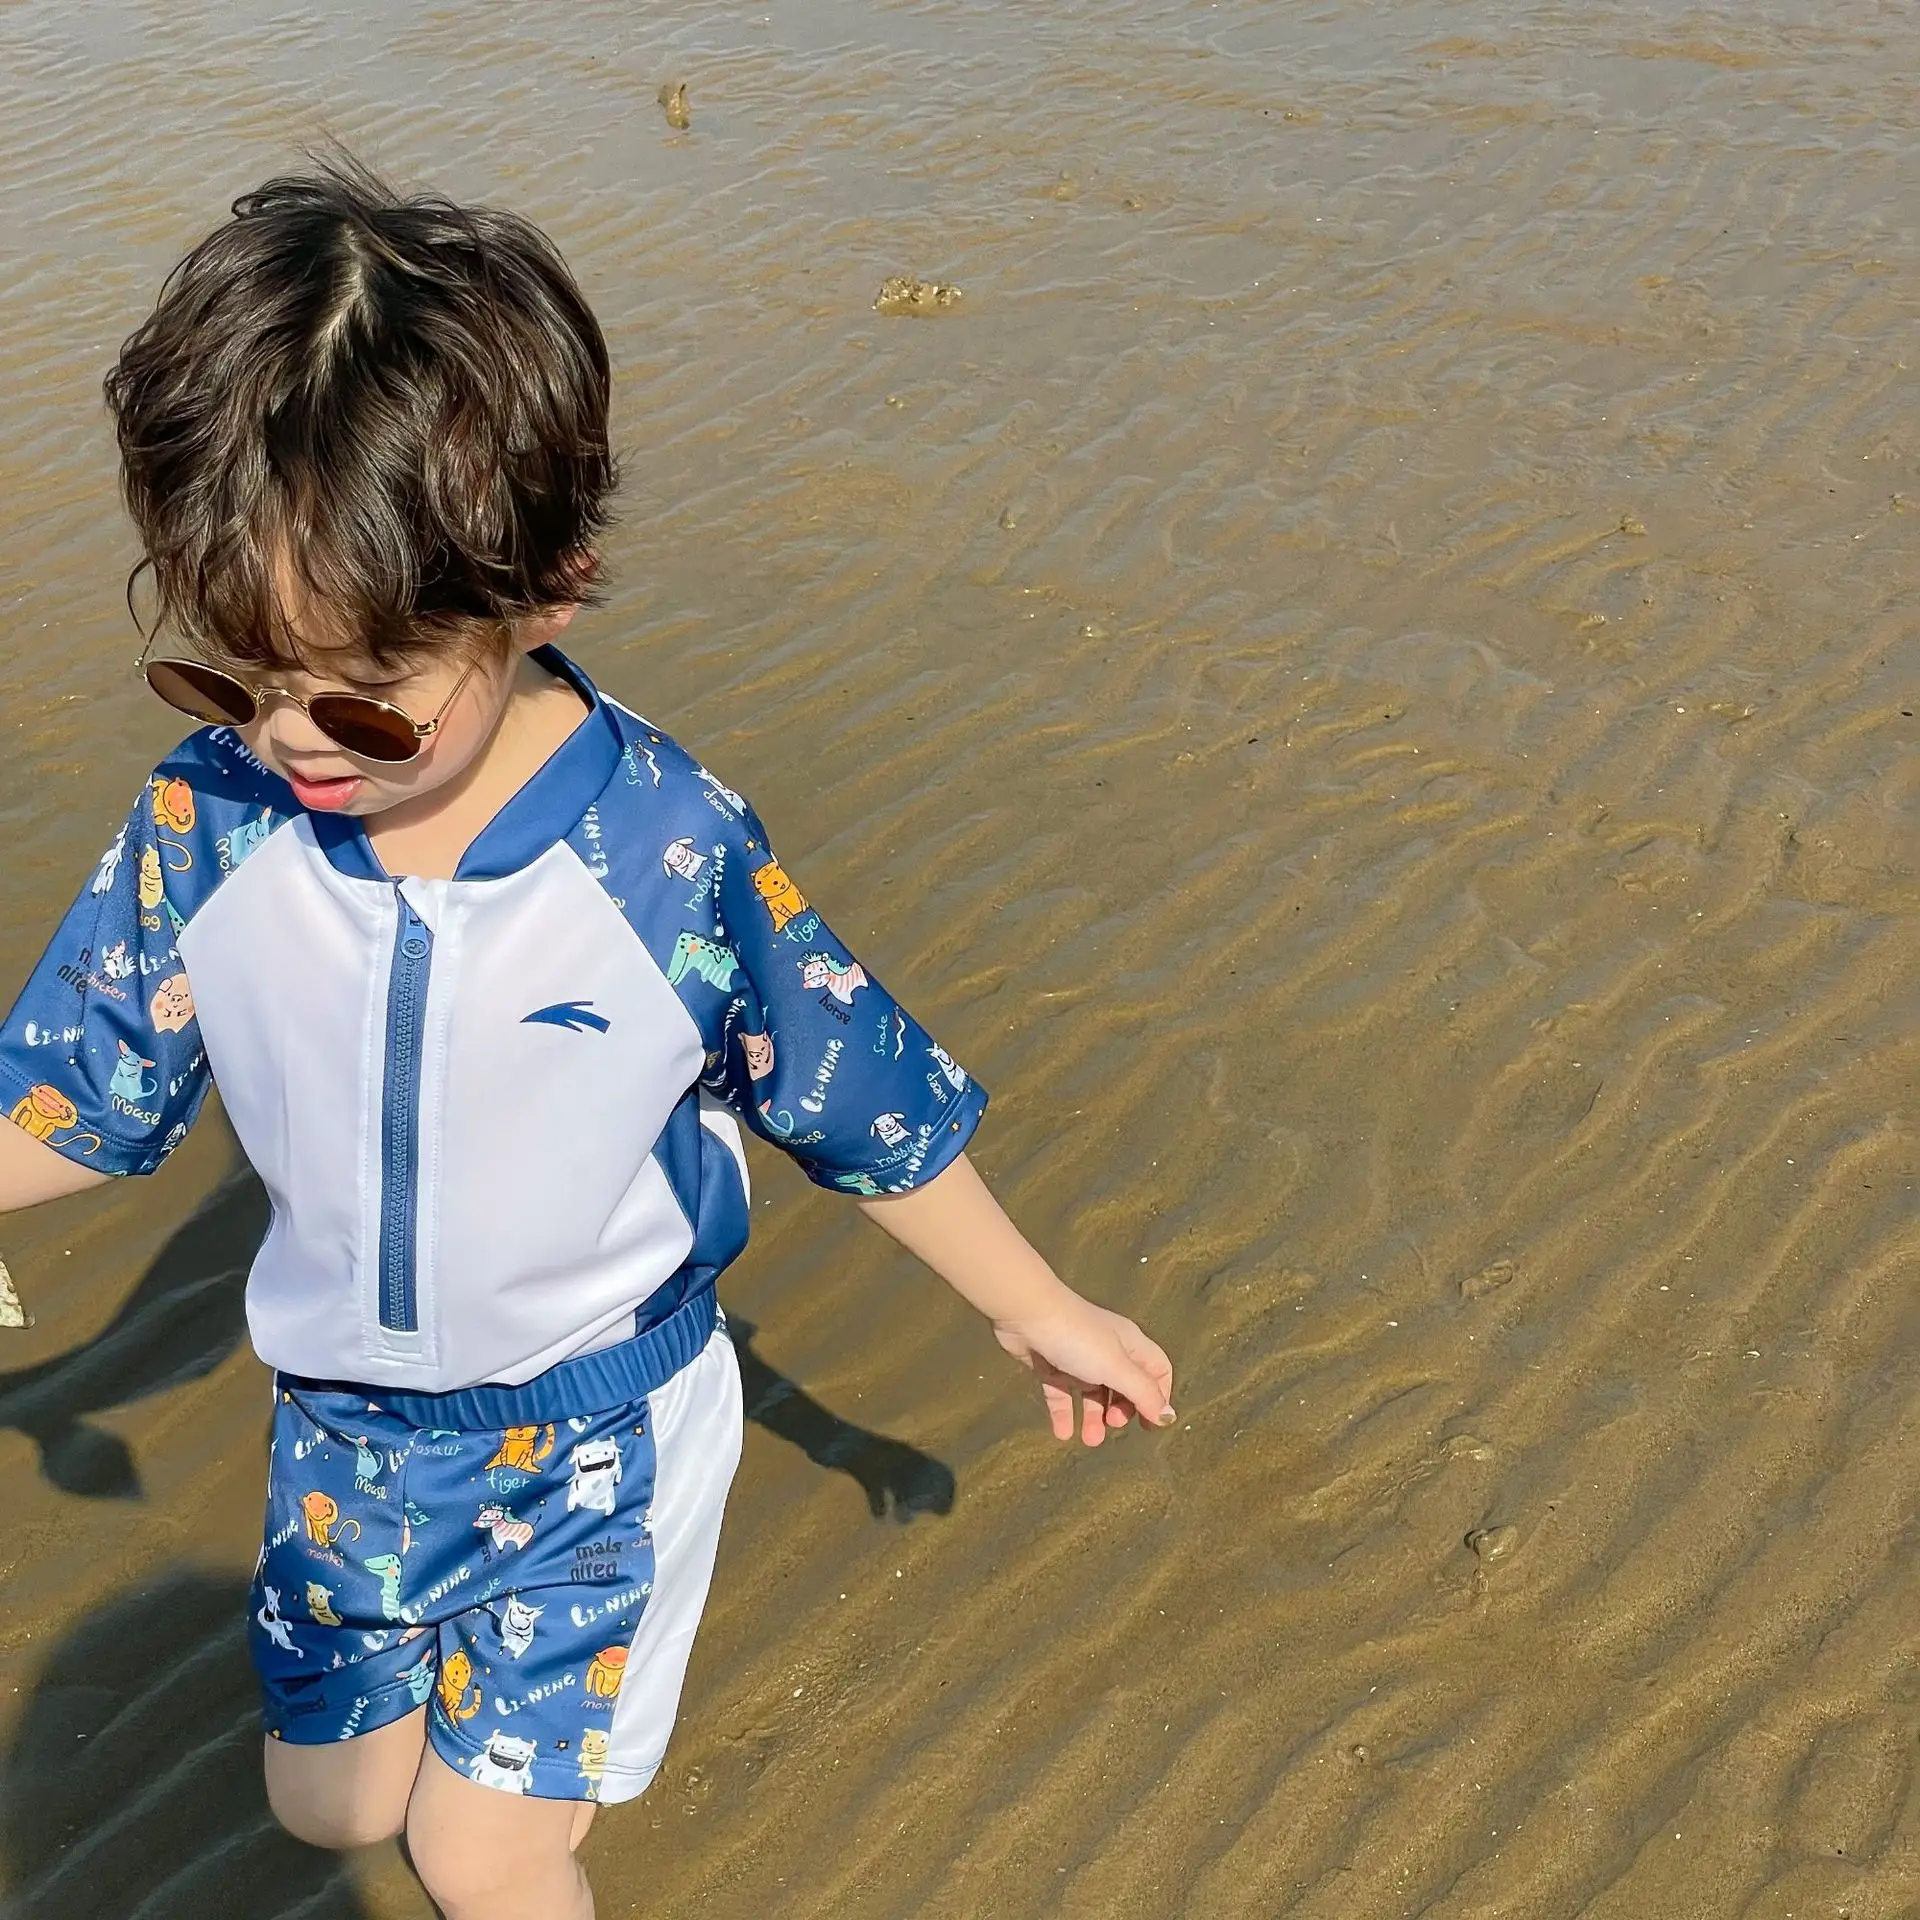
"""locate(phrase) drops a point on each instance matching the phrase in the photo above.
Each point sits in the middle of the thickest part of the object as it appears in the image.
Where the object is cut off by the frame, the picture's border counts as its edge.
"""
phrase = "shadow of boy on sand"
(189, 1313)
(899, 1480)
(133, 1781)
(183, 1319)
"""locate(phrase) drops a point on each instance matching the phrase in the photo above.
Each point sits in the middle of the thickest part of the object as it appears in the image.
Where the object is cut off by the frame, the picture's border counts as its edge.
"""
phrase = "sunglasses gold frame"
(261, 694)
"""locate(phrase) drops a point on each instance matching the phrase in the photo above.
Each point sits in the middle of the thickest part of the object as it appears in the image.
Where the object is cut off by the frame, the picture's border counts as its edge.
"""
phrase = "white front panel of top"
(542, 1219)
(288, 962)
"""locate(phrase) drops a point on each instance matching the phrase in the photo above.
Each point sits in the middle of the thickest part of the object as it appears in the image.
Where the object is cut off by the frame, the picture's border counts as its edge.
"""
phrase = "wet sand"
(1363, 680)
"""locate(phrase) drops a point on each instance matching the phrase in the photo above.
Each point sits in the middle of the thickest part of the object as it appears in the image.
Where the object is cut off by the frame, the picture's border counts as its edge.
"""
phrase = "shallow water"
(1363, 678)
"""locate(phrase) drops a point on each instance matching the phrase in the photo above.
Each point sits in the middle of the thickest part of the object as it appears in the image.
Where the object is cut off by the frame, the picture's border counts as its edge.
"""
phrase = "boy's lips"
(326, 795)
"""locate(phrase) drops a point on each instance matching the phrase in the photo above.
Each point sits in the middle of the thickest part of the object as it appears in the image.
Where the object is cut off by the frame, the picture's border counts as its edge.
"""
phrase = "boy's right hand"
(1080, 1349)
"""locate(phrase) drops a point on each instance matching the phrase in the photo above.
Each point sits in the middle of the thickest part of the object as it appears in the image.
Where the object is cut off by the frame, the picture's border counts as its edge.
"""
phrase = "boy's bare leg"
(487, 1855)
(348, 1793)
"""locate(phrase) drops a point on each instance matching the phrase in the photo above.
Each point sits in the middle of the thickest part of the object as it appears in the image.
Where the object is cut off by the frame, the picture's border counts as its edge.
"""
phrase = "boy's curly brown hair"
(391, 410)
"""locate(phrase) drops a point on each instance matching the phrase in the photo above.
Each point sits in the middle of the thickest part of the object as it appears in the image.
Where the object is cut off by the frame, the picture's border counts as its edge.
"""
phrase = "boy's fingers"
(1150, 1358)
(1093, 1416)
(1146, 1393)
(1059, 1406)
(1154, 1372)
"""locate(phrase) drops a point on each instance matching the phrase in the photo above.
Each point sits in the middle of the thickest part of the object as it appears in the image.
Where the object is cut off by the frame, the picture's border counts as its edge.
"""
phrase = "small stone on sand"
(1486, 1280)
(901, 293)
(673, 103)
(1493, 1543)
(12, 1313)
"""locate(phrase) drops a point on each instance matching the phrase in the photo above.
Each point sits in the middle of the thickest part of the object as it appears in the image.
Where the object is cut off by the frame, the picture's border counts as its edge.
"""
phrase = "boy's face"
(466, 690)
(327, 778)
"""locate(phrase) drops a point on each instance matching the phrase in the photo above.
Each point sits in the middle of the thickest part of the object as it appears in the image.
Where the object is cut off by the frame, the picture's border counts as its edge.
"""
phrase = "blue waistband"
(591, 1383)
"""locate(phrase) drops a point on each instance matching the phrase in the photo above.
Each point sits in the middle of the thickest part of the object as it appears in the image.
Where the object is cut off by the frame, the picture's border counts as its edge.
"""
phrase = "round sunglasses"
(367, 728)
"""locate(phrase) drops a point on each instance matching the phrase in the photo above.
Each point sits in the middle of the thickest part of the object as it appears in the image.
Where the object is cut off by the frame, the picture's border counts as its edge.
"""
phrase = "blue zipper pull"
(400, 1116)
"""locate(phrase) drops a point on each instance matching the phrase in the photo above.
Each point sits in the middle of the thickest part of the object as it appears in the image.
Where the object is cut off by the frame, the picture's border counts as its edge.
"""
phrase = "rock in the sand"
(12, 1313)
(902, 293)
(1493, 1543)
(1487, 1280)
(673, 103)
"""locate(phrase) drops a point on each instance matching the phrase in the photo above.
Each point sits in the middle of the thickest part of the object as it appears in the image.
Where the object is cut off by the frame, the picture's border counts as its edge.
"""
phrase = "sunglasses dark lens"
(204, 692)
(368, 729)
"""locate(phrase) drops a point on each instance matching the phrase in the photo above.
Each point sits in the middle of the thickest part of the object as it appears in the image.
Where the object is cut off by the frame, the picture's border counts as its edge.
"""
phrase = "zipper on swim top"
(400, 1117)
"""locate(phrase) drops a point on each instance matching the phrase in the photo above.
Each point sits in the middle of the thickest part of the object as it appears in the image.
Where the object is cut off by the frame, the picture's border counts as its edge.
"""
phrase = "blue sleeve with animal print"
(816, 1055)
(100, 1056)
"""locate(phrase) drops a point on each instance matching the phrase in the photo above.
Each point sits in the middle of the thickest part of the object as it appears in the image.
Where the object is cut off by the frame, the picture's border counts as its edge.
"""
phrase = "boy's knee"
(470, 1872)
(331, 1820)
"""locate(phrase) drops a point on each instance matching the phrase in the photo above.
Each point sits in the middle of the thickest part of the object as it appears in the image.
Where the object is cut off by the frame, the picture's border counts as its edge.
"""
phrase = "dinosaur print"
(695, 953)
(385, 1567)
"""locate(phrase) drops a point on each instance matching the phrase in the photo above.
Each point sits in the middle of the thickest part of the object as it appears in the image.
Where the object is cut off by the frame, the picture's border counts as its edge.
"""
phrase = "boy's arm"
(30, 1171)
(957, 1228)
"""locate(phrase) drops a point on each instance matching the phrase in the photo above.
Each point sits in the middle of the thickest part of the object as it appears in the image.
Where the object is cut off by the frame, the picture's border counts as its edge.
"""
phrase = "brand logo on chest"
(577, 1016)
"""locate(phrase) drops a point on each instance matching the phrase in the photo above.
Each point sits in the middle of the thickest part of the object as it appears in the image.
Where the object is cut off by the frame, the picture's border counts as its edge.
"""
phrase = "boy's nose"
(284, 729)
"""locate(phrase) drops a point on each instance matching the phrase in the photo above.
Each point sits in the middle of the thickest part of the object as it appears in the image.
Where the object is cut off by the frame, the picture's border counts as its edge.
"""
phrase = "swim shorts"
(530, 1572)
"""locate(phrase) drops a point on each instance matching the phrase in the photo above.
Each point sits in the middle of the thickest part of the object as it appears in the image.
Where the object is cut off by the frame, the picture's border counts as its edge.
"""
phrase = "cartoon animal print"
(126, 1082)
(516, 1627)
(275, 1627)
(716, 791)
(366, 1463)
(694, 953)
(44, 1111)
(783, 899)
(841, 978)
(505, 1763)
(152, 885)
(887, 1129)
(502, 1529)
(593, 1758)
(385, 1567)
(115, 962)
(956, 1076)
(419, 1678)
(596, 1476)
(410, 1518)
(523, 1449)
(605, 1671)
(109, 868)
(456, 1675)
(758, 1048)
(171, 1008)
(860, 1183)
(172, 805)
(248, 837)
(320, 1604)
(322, 1514)
(680, 859)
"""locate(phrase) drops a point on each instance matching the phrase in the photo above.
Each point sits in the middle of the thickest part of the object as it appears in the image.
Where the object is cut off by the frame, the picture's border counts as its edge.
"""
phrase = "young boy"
(489, 972)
